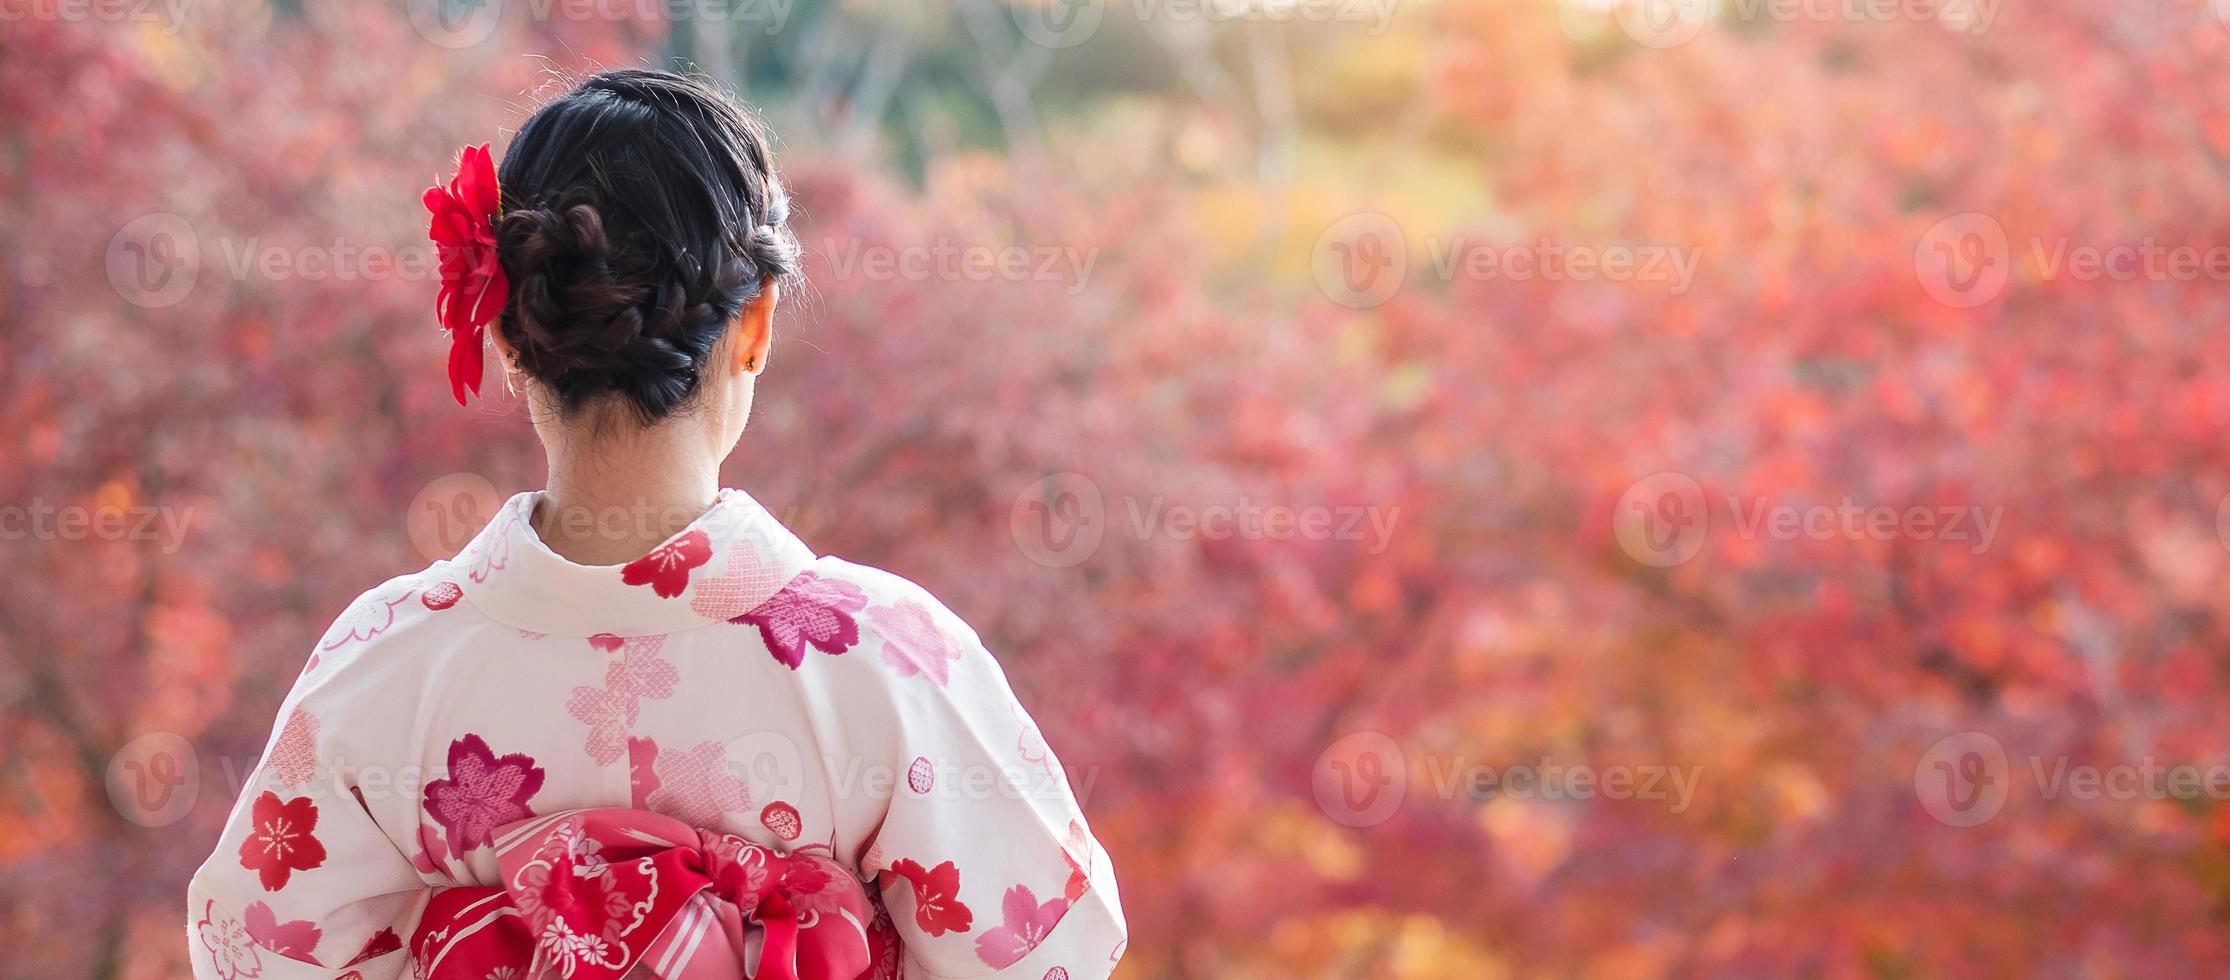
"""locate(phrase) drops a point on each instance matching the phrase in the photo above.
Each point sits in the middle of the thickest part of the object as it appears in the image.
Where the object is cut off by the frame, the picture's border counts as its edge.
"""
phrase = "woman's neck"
(616, 495)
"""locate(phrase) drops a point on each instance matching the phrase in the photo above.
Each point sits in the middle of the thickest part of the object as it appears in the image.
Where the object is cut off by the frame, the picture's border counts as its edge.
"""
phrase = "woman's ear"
(755, 328)
(508, 354)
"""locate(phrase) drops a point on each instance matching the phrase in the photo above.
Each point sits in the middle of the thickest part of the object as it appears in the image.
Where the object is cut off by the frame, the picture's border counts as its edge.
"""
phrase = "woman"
(636, 727)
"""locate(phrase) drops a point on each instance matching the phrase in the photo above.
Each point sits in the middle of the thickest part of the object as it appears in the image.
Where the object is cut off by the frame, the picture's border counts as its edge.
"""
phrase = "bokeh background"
(1364, 428)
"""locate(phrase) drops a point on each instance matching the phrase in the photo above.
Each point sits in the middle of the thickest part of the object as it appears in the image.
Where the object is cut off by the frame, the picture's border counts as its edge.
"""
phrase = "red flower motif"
(481, 793)
(937, 907)
(473, 287)
(282, 842)
(296, 939)
(810, 611)
(666, 569)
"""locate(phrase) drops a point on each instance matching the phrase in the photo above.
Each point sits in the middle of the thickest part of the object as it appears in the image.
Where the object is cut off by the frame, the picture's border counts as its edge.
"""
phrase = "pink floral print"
(1030, 744)
(696, 785)
(751, 575)
(642, 771)
(912, 643)
(666, 568)
(811, 611)
(1080, 869)
(489, 552)
(482, 792)
(1027, 924)
(610, 711)
(294, 754)
(524, 690)
(231, 950)
(282, 841)
(369, 616)
(296, 939)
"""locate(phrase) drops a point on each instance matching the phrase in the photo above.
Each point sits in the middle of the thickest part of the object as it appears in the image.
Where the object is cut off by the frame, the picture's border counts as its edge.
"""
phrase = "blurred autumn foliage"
(1494, 423)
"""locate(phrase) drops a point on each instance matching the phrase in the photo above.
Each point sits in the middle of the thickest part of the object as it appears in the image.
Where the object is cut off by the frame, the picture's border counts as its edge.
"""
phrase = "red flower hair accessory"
(473, 287)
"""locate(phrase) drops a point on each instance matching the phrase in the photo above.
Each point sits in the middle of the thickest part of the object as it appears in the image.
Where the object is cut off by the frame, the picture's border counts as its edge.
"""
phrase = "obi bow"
(593, 894)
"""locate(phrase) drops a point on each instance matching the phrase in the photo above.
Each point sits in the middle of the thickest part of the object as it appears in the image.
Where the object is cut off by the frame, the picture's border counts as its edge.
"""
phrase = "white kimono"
(452, 727)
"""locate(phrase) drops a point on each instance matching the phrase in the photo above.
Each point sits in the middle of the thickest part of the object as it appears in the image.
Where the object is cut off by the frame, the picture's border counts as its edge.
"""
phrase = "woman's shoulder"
(873, 627)
(413, 602)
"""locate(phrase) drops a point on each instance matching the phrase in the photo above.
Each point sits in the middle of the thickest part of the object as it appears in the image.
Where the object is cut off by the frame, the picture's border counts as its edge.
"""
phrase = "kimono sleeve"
(302, 882)
(984, 859)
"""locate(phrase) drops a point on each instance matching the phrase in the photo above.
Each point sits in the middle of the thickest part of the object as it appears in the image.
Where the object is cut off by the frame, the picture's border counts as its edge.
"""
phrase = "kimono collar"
(724, 564)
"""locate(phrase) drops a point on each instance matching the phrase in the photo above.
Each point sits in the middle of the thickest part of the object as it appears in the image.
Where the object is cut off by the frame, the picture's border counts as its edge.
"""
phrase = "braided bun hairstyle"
(641, 213)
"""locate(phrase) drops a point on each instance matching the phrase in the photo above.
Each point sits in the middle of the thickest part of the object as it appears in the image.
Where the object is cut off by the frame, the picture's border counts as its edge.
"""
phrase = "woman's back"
(727, 756)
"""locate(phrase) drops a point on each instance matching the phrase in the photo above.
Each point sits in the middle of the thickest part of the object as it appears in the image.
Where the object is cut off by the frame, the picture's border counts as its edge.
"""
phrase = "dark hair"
(641, 212)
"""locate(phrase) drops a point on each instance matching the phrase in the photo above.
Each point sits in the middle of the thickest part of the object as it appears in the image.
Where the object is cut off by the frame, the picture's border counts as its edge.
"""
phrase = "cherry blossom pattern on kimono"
(283, 839)
(666, 568)
(913, 645)
(482, 792)
(810, 611)
(610, 711)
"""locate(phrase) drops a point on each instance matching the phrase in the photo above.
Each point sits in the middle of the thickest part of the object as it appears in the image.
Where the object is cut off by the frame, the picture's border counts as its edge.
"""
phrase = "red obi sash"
(593, 894)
